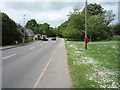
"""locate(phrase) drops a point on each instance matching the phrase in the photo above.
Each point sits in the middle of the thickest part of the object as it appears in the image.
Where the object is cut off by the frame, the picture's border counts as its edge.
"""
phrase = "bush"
(10, 34)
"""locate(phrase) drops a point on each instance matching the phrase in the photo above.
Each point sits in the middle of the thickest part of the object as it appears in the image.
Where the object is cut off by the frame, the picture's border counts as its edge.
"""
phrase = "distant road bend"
(42, 64)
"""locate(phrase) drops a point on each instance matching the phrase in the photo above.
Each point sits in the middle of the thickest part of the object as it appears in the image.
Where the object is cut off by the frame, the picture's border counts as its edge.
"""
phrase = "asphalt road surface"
(42, 64)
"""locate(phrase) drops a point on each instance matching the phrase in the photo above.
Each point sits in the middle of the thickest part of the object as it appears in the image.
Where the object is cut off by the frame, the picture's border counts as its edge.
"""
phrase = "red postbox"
(86, 39)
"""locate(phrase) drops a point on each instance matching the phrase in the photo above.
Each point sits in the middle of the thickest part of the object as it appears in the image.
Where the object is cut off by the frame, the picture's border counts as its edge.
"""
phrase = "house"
(30, 34)
(22, 30)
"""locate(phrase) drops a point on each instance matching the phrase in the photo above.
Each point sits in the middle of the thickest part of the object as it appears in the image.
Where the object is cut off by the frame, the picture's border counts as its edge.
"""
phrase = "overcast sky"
(50, 12)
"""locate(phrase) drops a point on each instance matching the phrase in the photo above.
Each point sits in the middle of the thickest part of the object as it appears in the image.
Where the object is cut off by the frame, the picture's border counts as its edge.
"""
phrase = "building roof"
(29, 32)
(20, 27)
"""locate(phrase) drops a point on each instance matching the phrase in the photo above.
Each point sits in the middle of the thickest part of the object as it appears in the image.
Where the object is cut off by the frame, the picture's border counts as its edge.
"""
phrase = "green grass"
(96, 67)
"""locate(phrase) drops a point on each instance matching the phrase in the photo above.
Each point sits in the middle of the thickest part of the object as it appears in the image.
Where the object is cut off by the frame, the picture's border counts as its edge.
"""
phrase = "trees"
(61, 28)
(94, 9)
(32, 24)
(52, 32)
(43, 29)
(97, 28)
(75, 26)
(109, 16)
(98, 23)
(9, 31)
(116, 29)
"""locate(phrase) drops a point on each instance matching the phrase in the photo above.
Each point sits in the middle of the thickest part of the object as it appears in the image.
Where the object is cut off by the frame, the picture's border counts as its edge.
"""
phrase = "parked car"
(44, 38)
(53, 38)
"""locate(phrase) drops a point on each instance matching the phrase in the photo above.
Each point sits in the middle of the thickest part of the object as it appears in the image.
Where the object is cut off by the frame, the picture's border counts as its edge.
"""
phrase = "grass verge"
(17, 44)
(96, 67)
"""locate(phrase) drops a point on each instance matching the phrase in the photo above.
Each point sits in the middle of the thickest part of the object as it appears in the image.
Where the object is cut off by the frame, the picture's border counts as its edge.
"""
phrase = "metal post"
(86, 23)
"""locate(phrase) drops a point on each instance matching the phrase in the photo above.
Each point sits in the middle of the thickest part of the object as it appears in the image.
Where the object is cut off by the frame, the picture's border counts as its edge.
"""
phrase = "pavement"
(57, 74)
(37, 65)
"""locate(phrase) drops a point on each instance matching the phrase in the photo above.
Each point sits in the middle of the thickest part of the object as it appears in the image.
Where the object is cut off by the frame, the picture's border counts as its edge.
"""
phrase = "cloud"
(50, 12)
(53, 13)
(52, 17)
(58, 0)
(119, 12)
(37, 6)
(111, 6)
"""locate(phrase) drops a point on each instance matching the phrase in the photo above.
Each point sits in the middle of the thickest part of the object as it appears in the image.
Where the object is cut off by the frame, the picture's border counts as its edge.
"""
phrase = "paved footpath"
(56, 74)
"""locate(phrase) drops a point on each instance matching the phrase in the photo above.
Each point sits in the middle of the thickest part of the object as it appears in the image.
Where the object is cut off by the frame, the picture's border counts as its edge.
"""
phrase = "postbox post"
(86, 41)
(86, 38)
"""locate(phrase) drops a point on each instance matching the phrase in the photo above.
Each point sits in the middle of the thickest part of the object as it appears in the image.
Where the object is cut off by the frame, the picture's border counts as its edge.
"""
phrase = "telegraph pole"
(86, 25)
(119, 12)
(23, 40)
(24, 20)
(0, 28)
(86, 18)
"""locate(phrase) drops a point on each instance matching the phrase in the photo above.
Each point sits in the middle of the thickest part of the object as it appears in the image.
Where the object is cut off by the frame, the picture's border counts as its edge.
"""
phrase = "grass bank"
(96, 67)
(18, 44)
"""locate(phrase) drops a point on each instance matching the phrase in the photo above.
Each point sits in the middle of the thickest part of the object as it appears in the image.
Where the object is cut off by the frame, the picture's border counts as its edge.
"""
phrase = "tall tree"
(10, 34)
(32, 24)
(97, 28)
(61, 28)
(75, 25)
(109, 16)
(117, 29)
(94, 9)
(45, 28)
(98, 22)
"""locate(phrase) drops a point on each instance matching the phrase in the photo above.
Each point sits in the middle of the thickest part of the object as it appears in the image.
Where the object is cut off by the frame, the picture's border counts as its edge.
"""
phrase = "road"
(42, 64)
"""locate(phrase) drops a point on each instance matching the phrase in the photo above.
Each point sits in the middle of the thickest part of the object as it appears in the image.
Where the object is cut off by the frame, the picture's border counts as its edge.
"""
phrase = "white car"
(44, 38)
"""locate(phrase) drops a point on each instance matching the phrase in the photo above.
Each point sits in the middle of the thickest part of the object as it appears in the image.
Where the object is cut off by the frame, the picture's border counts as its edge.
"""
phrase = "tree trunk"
(90, 38)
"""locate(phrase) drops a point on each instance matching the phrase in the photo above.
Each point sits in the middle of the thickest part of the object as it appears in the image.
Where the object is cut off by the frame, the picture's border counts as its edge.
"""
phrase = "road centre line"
(32, 48)
(43, 72)
(9, 56)
(43, 44)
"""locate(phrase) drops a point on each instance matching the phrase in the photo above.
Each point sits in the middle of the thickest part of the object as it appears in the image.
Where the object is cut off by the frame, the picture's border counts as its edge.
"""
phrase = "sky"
(49, 11)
